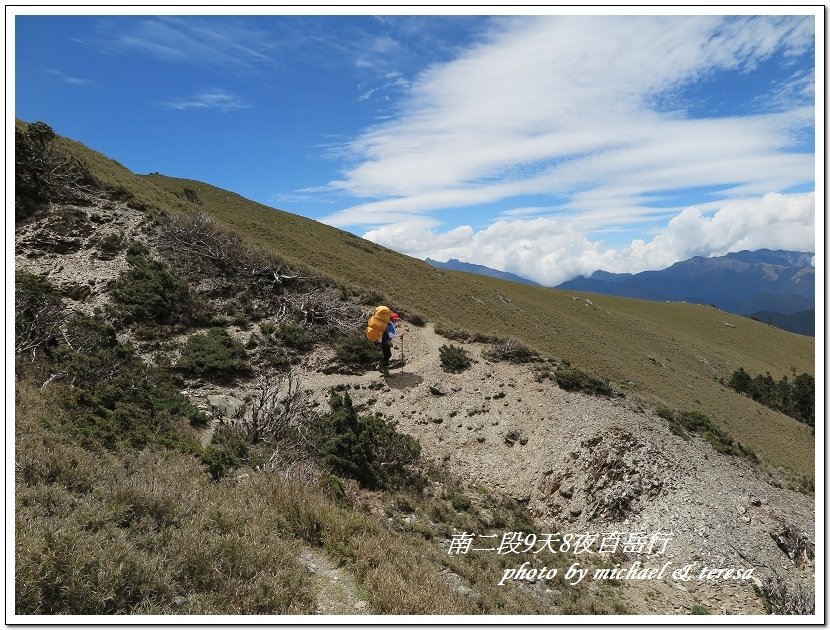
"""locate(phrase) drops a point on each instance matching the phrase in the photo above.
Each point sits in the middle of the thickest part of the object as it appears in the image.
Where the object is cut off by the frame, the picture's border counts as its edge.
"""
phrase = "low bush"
(687, 423)
(213, 354)
(357, 352)
(510, 351)
(372, 297)
(227, 451)
(574, 379)
(460, 503)
(781, 598)
(366, 448)
(148, 293)
(38, 311)
(453, 358)
(410, 317)
(296, 337)
(667, 413)
(460, 334)
(105, 396)
(110, 245)
(699, 423)
(43, 173)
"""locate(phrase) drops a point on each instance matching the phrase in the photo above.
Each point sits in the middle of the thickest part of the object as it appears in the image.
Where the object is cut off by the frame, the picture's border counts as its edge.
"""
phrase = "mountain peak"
(742, 282)
(454, 264)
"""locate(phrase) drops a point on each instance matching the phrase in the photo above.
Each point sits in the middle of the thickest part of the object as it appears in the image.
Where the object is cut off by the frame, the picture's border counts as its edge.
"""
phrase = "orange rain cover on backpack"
(378, 323)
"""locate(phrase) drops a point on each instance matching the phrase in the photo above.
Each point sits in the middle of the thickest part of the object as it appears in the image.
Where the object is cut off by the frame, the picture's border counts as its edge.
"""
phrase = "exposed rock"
(226, 405)
(796, 545)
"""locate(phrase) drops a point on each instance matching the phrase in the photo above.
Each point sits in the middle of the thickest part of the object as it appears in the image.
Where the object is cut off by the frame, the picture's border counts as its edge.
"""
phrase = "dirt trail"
(337, 591)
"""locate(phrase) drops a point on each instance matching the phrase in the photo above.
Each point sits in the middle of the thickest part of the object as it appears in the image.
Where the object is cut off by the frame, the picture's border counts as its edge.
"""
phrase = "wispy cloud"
(798, 90)
(256, 42)
(297, 198)
(564, 106)
(393, 80)
(69, 79)
(206, 41)
(213, 99)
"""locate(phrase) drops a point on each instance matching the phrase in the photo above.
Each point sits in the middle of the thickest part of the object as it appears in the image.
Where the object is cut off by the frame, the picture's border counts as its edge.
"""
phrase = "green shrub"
(213, 354)
(226, 452)
(573, 379)
(511, 351)
(110, 245)
(460, 503)
(42, 172)
(277, 359)
(148, 293)
(688, 423)
(667, 413)
(357, 352)
(699, 423)
(453, 358)
(296, 337)
(372, 297)
(410, 317)
(460, 334)
(188, 194)
(415, 319)
(267, 328)
(38, 311)
(107, 397)
(366, 448)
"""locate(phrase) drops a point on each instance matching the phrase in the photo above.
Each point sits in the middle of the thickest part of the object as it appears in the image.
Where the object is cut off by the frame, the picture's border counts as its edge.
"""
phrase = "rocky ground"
(583, 465)
(593, 465)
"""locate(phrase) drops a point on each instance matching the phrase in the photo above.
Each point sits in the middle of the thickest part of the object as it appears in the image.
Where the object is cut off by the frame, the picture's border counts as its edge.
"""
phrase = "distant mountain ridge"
(456, 265)
(746, 282)
(802, 322)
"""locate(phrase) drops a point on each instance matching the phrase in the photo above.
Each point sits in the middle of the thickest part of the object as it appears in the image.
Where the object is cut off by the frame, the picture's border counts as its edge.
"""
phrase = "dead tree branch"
(276, 413)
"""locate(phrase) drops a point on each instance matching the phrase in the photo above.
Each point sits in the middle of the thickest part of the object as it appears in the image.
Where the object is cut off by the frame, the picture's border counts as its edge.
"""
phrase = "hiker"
(386, 342)
(381, 329)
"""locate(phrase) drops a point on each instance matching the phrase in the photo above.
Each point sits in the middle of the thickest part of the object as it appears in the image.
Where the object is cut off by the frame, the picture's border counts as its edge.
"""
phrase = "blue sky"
(543, 145)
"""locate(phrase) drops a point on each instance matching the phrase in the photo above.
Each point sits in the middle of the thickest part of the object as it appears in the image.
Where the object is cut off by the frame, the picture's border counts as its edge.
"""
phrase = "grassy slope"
(615, 337)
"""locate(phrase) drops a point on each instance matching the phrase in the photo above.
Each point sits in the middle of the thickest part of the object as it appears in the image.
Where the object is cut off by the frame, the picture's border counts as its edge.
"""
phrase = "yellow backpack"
(378, 323)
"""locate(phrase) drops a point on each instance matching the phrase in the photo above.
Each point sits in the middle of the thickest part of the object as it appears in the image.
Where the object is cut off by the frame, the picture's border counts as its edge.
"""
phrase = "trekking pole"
(403, 360)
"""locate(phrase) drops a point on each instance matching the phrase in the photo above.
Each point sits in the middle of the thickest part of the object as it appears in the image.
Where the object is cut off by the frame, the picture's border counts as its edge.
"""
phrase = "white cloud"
(562, 106)
(396, 82)
(212, 41)
(552, 250)
(212, 99)
(69, 79)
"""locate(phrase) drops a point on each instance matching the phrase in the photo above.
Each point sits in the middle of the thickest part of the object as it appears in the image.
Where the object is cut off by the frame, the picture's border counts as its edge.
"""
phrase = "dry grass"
(149, 533)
